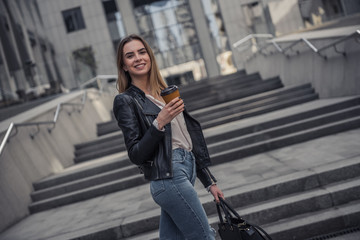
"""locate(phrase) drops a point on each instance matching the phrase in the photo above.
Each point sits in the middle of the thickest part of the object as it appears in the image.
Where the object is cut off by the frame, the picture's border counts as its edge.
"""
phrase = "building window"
(169, 29)
(73, 19)
(114, 21)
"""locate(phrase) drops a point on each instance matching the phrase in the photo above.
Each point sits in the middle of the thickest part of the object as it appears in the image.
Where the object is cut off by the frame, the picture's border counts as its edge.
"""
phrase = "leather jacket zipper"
(207, 171)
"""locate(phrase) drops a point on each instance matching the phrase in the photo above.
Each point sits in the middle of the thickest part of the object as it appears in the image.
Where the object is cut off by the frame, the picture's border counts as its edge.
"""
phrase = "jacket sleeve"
(205, 176)
(140, 147)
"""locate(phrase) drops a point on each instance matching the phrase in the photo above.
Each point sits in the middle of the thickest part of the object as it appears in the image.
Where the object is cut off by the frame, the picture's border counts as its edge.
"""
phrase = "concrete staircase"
(292, 125)
(302, 204)
(210, 116)
(295, 206)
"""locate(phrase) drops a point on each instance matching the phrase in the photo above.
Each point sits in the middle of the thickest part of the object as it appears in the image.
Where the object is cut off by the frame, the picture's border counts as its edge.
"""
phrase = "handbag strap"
(228, 207)
(219, 213)
(226, 213)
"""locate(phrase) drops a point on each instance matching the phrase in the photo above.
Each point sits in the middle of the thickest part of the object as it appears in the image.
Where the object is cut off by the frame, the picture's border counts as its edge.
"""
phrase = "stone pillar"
(127, 13)
(203, 33)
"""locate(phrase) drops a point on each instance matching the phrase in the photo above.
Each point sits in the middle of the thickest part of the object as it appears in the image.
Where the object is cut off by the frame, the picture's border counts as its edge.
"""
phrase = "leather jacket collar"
(149, 108)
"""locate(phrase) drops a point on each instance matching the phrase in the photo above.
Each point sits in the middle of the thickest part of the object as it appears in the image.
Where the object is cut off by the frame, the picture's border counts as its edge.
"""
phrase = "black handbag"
(233, 227)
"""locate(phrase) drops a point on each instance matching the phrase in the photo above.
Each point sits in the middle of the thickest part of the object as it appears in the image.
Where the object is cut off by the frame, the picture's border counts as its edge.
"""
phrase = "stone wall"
(335, 76)
(25, 160)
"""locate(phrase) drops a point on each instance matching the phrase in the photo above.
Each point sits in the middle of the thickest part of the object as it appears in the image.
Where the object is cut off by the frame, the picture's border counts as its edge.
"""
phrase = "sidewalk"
(111, 210)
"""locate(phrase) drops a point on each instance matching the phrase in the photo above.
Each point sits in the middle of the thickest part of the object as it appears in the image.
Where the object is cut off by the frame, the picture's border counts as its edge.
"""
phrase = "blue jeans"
(182, 214)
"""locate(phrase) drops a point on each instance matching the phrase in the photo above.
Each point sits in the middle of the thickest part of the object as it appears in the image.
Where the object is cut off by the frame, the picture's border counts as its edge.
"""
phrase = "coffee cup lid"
(168, 90)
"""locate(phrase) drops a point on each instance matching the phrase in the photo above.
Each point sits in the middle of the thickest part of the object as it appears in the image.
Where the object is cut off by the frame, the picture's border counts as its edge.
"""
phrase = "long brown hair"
(156, 81)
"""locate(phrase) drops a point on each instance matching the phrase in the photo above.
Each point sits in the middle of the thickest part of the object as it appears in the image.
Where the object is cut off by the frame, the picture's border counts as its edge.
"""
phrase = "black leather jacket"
(150, 148)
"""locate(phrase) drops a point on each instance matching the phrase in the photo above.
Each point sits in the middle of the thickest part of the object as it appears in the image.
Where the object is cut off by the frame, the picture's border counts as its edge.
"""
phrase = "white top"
(180, 135)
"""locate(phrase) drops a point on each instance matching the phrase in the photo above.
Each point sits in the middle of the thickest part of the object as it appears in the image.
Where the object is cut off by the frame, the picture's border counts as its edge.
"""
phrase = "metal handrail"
(252, 36)
(310, 45)
(32, 135)
(56, 116)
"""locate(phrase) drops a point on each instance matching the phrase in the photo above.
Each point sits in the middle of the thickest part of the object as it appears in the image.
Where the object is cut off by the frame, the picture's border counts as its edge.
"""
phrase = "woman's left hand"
(216, 192)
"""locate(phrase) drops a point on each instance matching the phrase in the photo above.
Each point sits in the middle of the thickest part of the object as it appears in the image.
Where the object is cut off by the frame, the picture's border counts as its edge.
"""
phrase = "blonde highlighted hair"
(124, 80)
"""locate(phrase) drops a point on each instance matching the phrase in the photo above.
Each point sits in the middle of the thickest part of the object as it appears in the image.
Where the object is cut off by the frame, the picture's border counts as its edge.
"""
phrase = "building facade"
(28, 66)
(50, 43)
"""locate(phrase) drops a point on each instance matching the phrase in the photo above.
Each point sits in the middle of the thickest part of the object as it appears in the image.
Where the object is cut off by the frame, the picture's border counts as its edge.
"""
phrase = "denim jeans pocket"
(157, 187)
(178, 158)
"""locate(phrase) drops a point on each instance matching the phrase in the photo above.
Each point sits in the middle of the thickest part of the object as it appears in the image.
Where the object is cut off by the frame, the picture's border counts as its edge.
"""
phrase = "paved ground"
(124, 206)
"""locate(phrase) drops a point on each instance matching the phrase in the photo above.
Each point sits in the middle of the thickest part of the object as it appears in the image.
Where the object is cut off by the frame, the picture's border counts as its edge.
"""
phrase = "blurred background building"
(48, 46)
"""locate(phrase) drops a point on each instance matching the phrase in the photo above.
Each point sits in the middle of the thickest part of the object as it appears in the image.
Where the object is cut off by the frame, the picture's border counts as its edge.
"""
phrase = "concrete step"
(265, 203)
(99, 144)
(257, 109)
(220, 89)
(279, 118)
(284, 129)
(286, 140)
(87, 193)
(106, 128)
(273, 210)
(352, 233)
(100, 152)
(247, 100)
(85, 182)
(96, 141)
(216, 80)
(84, 170)
(231, 94)
(316, 223)
(112, 139)
(227, 82)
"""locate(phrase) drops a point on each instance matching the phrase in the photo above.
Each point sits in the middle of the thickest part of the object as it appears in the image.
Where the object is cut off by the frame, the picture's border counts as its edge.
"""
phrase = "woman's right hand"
(170, 111)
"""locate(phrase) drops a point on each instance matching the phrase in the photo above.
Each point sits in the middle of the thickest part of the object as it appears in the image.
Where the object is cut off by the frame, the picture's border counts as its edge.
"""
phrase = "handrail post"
(310, 45)
(6, 137)
(276, 46)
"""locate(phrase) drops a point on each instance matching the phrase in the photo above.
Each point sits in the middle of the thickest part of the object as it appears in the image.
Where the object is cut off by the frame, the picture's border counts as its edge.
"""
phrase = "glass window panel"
(109, 7)
(168, 61)
(120, 25)
(175, 36)
(178, 56)
(178, 2)
(188, 33)
(139, 11)
(145, 23)
(188, 53)
(182, 13)
(192, 52)
(159, 6)
(73, 19)
(164, 18)
(150, 38)
(160, 60)
(162, 39)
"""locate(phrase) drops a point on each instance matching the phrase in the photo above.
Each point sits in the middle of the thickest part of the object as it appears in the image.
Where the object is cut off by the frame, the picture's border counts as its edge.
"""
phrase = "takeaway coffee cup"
(170, 93)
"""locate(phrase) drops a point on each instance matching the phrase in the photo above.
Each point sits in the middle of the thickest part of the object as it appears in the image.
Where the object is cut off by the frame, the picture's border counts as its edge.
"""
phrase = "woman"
(164, 141)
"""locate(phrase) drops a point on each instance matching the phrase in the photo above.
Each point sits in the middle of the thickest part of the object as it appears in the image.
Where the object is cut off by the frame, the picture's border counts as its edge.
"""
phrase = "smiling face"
(136, 59)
